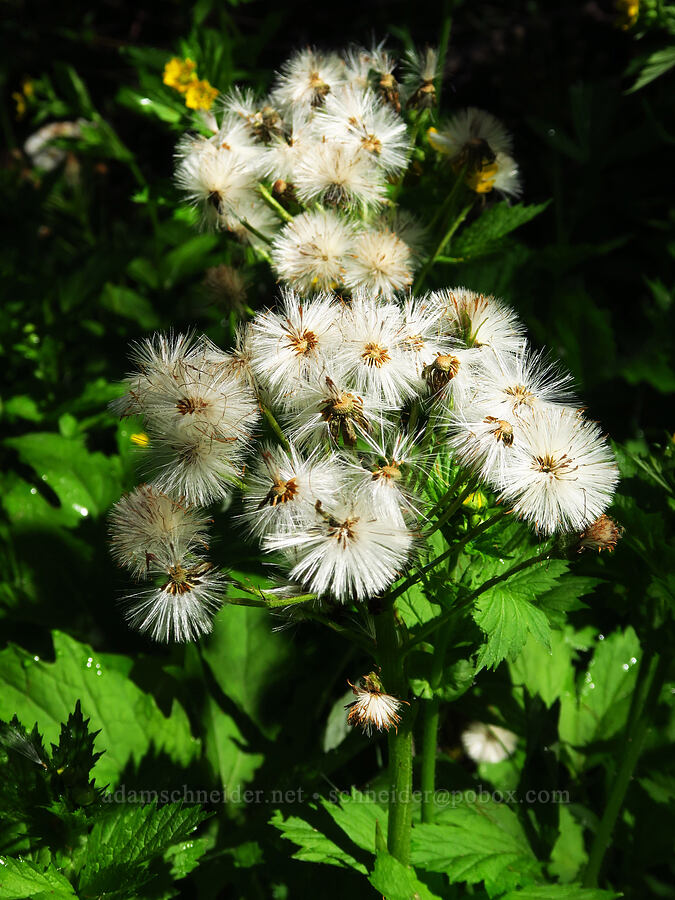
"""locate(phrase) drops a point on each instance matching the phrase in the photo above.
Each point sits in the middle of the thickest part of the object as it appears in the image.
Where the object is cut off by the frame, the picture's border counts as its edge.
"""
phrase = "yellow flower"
(627, 13)
(140, 439)
(180, 73)
(20, 97)
(200, 95)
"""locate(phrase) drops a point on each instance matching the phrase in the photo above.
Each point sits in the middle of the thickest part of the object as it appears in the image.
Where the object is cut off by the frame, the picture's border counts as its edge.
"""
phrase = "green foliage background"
(98, 253)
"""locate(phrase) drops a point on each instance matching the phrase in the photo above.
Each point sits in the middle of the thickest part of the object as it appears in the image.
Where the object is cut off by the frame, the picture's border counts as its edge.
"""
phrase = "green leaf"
(189, 257)
(185, 856)
(130, 304)
(597, 708)
(358, 816)
(475, 842)
(84, 483)
(21, 407)
(483, 235)
(226, 751)
(314, 846)
(545, 671)
(569, 854)
(244, 655)
(397, 882)
(130, 721)
(655, 65)
(20, 879)
(559, 892)
(74, 757)
(506, 615)
(149, 106)
(122, 843)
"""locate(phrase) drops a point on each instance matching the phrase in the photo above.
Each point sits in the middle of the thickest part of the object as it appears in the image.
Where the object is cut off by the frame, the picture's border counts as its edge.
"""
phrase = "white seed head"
(146, 522)
(373, 355)
(347, 553)
(182, 606)
(310, 252)
(282, 489)
(562, 474)
(379, 262)
(373, 709)
(306, 79)
(480, 320)
(360, 119)
(488, 743)
(294, 343)
(339, 175)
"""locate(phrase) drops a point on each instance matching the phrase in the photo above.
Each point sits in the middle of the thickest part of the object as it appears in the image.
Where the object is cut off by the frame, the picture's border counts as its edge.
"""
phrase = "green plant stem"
(400, 741)
(274, 204)
(457, 221)
(651, 677)
(470, 535)
(460, 479)
(431, 717)
(276, 428)
(247, 225)
(451, 510)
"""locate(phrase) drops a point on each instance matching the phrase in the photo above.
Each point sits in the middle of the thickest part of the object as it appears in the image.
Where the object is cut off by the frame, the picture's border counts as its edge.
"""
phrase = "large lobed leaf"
(131, 722)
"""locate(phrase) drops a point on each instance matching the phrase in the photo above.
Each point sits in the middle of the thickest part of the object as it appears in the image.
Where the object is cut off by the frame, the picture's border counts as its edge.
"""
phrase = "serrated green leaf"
(84, 483)
(483, 235)
(74, 757)
(569, 854)
(397, 882)
(184, 857)
(655, 65)
(130, 720)
(21, 879)
(507, 619)
(358, 816)
(475, 842)
(314, 846)
(124, 841)
(559, 892)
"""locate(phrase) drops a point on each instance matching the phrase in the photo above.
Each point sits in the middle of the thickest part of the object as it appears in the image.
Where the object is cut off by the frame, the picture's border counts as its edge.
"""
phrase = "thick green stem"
(651, 677)
(400, 742)
(431, 713)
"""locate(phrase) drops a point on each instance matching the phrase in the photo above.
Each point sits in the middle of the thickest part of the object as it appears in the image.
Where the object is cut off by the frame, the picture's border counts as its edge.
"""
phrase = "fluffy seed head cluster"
(359, 383)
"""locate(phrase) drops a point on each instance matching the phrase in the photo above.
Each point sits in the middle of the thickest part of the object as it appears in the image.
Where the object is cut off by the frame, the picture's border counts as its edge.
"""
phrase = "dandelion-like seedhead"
(348, 393)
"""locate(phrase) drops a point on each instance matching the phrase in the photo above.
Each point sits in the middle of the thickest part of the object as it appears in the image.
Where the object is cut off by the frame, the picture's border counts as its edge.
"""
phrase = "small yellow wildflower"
(180, 73)
(200, 95)
(627, 13)
(20, 97)
(140, 439)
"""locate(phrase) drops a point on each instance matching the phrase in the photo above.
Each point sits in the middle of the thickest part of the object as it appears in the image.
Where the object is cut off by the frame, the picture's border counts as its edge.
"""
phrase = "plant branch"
(651, 676)
(274, 204)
